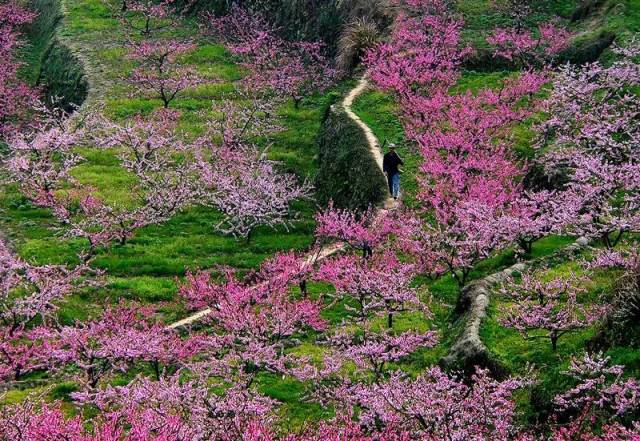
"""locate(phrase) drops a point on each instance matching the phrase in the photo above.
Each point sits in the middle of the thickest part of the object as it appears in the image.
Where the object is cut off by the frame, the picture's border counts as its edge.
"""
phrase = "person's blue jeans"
(394, 185)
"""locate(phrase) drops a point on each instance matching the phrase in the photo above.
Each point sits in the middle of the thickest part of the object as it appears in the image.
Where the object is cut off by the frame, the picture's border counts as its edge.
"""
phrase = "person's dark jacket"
(391, 163)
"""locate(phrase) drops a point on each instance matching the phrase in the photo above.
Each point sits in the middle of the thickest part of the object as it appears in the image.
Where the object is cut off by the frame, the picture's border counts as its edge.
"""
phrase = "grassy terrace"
(146, 269)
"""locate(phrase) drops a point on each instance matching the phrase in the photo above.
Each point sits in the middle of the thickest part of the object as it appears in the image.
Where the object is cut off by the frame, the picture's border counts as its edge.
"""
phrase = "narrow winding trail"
(331, 249)
(474, 300)
(374, 144)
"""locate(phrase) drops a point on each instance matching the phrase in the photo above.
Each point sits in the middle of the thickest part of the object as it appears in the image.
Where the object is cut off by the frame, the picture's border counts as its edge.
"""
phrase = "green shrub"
(586, 9)
(348, 174)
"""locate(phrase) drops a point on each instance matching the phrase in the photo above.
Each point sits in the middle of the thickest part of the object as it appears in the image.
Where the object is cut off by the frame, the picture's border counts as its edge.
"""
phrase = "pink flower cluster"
(288, 69)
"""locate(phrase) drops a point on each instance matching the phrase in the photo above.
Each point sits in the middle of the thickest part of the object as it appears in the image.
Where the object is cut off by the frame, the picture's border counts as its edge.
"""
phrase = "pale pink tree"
(41, 161)
(601, 396)
(603, 197)
(535, 214)
(547, 310)
(463, 236)
(436, 406)
(152, 150)
(167, 181)
(29, 292)
(380, 285)
(147, 16)
(624, 301)
(247, 187)
(289, 69)
(160, 72)
(593, 136)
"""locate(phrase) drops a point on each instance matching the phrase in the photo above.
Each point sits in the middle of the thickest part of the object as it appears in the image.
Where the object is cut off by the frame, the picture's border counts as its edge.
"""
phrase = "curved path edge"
(474, 300)
(330, 249)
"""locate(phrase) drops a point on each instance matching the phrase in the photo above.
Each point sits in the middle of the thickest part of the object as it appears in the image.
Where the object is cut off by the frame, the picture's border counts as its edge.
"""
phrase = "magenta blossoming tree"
(21, 352)
(285, 269)
(16, 97)
(550, 307)
(288, 69)
(528, 49)
(160, 73)
(257, 323)
(361, 231)
(373, 292)
(469, 178)
(424, 51)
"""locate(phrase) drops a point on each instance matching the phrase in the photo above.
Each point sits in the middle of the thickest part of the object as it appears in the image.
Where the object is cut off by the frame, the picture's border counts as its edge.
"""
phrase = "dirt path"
(374, 145)
(331, 249)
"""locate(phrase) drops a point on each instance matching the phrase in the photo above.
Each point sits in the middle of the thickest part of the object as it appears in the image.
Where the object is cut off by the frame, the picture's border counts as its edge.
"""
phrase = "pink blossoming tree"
(147, 16)
(552, 307)
(437, 406)
(161, 73)
(593, 136)
(115, 342)
(526, 48)
(16, 97)
(423, 52)
(257, 323)
(29, 292)
(288, 69)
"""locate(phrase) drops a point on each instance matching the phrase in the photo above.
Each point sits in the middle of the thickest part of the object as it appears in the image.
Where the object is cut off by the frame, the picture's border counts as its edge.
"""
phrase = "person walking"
(391, 167)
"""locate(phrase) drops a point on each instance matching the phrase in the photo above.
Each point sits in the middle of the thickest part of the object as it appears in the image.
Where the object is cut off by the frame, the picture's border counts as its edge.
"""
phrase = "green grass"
(148, 268)
(187, 241)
